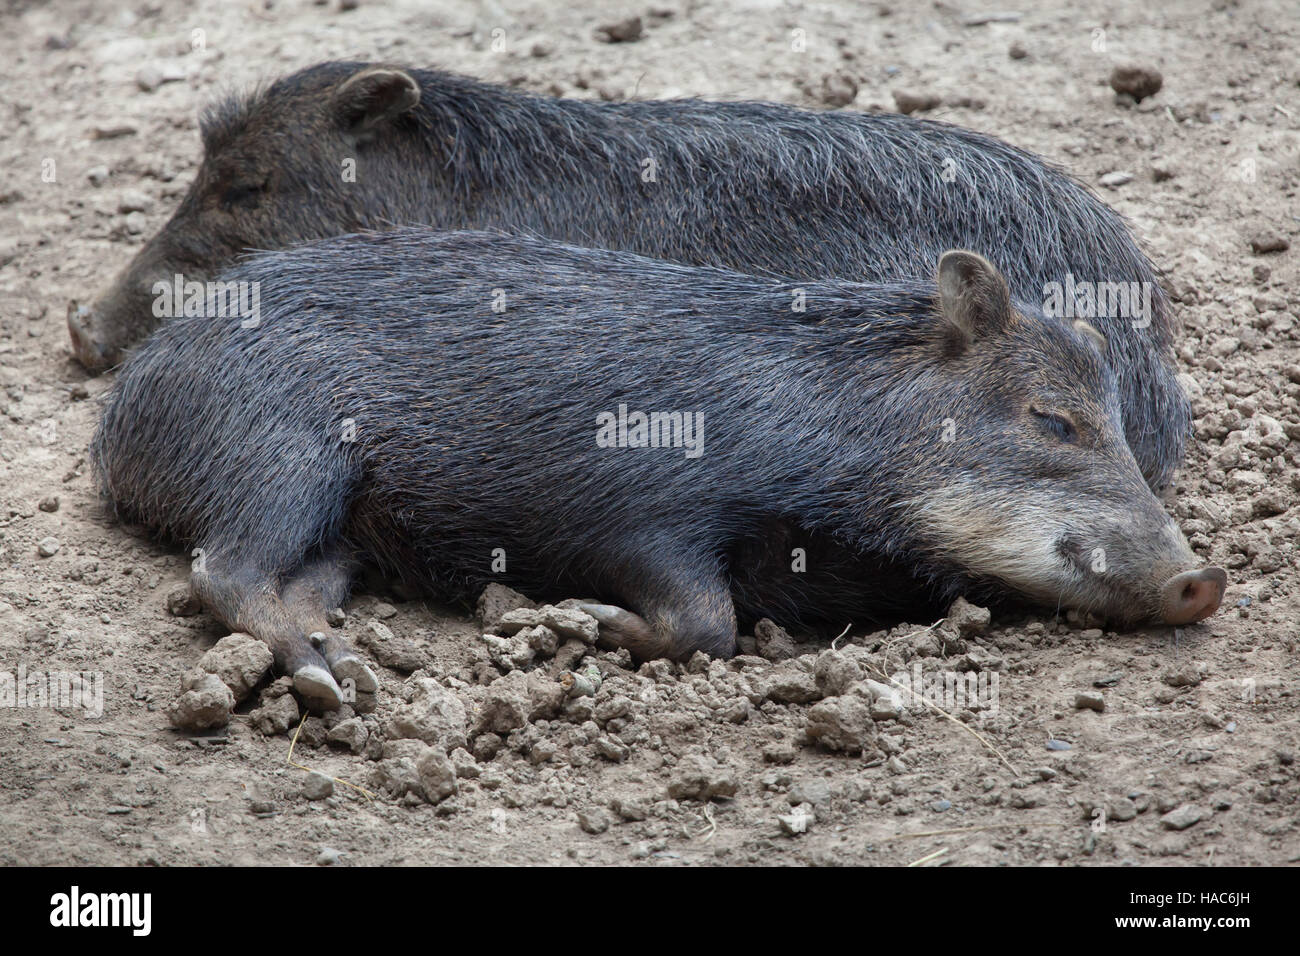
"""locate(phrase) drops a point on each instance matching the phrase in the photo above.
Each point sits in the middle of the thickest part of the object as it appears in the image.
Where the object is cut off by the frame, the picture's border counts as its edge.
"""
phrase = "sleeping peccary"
(655, 435)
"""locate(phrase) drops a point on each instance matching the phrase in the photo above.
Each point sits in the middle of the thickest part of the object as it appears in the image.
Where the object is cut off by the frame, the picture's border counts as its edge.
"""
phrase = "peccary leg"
(246, 599)
(678, 610)
(320, 585)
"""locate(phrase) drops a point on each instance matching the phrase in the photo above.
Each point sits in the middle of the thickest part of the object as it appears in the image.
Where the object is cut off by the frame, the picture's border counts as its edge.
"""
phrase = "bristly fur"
(757, 187)
(476, 430)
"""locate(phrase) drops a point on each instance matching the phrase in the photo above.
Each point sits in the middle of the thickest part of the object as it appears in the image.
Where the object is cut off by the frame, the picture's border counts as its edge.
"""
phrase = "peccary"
(462, 408)
(755, 187)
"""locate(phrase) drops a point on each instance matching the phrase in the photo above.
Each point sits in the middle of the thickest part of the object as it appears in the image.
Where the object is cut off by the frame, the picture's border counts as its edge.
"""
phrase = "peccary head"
(301, 160)
(1029, 481)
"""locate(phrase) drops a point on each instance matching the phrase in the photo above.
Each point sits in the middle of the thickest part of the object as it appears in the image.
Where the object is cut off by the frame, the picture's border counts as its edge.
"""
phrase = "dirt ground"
(1191, 757)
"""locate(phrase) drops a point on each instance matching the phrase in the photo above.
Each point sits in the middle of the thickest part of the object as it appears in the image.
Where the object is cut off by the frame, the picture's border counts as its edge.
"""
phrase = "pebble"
(774, 643)
(204, 702)
(1269, 242)
(838, 89)
(1089, 700)
(1183, 817)
(181, 602)
(701, 778)
(240, 661)
(813, 791)
(909, 103)
(48, 547)
(49, 504)
(317, 786)
(350, 733)
(1054, 744)
(568, 623)
(593, 820)
(434, 715)
(842, 724)
(1138, 82)
(328, 856)
(437, 775)
(623, 31)
(1116, 179)
(969, 619)
(1188, 674)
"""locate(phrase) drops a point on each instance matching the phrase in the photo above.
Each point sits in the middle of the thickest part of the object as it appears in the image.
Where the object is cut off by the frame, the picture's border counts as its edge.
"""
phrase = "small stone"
(811, 791)
(630, 809)
(1054, 744)
(1187, 674)
(780, 753)
(593, 820)
(434, 715)
(279, 710)
(1116, 179)
(350, 733)
(789, 683)
(149, 78)
(328, 856)
(399, 653)
(624, 31)
(838, 89)
(909, 103)
(133, 200)
(1138, 82)
(1183, 817)
(968, 619)
(700, 778)
(1121, 810)
(773, 641)
(843, 724)
(48, 547)
(335, 617)
(49, 504)
(181, 602)
(317, 786)
(240, 661)
(541, 49)
(1017, 52)
(97, 175)
(505, 707)
(835, 673)
(437, 775)
(1269, 242)
(204, 702)
(567, 623)
(1089, 700)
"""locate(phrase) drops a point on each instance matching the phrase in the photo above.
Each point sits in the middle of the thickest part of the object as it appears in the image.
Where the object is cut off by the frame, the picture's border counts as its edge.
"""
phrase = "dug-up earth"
(1081, 747)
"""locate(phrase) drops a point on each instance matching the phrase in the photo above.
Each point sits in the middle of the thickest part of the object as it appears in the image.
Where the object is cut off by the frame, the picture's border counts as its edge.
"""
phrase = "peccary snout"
(1192, 595)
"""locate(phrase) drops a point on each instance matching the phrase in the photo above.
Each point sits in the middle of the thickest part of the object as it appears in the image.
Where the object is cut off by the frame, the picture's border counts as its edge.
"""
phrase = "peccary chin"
(383, 410)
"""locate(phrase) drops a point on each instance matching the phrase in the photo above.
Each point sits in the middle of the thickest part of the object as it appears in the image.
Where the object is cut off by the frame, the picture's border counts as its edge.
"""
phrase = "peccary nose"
(84, 347)
(1192, 596)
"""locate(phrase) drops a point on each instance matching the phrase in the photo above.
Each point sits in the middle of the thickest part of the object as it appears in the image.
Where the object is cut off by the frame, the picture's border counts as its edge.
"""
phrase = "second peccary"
(756, 187)
(675, 441)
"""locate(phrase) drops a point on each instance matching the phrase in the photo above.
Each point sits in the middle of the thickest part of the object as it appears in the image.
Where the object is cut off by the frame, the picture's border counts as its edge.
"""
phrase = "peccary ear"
(973, 296)
(375, 95)
(1090, 332)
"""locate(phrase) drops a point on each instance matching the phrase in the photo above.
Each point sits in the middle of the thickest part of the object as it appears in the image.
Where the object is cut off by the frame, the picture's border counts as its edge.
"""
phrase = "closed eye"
(1056, 425)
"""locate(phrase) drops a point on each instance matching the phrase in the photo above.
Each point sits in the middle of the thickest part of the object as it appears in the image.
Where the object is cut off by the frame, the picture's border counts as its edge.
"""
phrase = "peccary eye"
(1056, 425)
